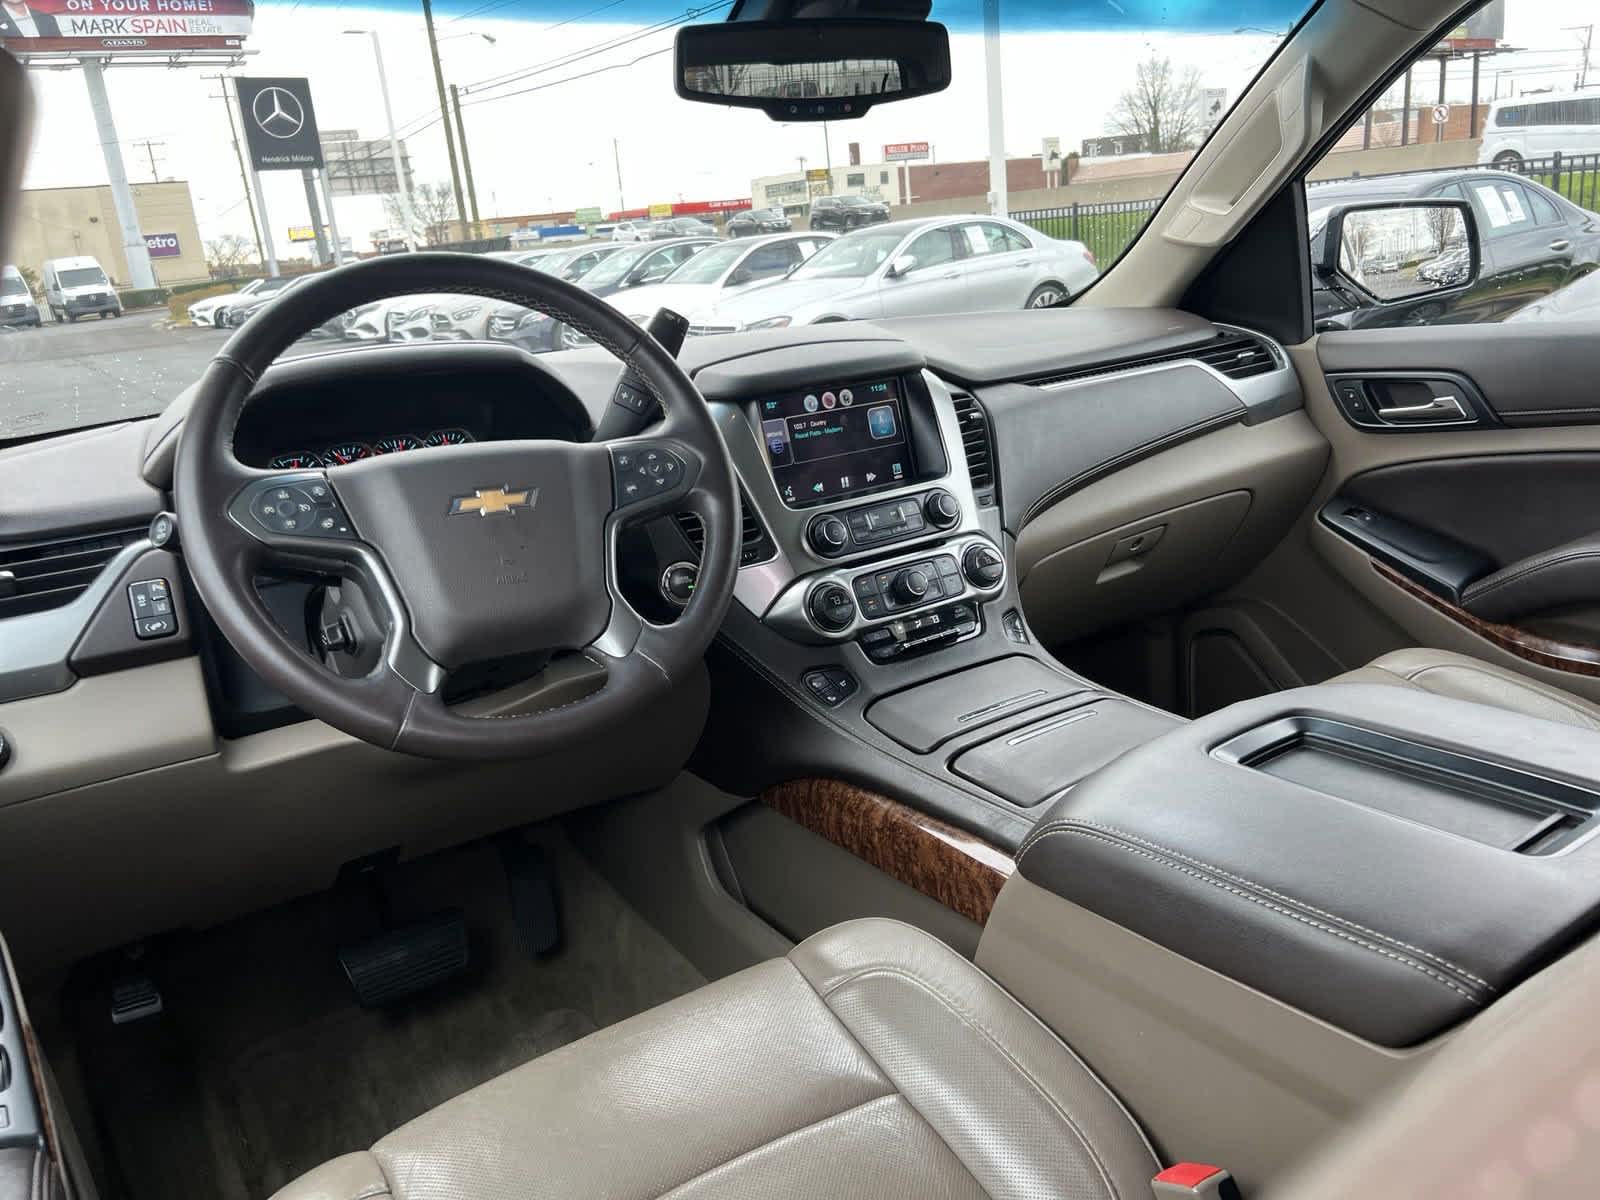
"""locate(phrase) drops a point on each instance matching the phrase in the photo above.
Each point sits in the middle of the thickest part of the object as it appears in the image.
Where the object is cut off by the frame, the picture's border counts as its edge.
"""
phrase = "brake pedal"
(534, 908)
(408, 959)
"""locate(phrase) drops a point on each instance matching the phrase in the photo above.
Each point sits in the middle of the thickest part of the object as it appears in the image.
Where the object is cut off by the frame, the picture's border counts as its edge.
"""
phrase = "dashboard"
(335, 409)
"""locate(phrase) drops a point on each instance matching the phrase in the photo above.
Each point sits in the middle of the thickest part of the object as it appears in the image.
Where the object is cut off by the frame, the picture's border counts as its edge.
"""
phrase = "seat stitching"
(1439, 978)
(785, 1136)
(1589, 722)
(1265, 890)
(972, 1021)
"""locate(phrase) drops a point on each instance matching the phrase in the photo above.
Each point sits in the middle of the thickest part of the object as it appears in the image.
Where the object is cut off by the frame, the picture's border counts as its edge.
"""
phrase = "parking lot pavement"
(96, 371)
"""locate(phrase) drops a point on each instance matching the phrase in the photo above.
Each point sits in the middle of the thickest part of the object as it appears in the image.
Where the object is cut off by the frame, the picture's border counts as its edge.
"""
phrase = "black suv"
(758, 220)
(847, 212)
(1534, 242)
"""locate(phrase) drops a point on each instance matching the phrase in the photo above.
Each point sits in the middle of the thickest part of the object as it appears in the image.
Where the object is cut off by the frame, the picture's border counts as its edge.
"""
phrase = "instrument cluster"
(341, 453)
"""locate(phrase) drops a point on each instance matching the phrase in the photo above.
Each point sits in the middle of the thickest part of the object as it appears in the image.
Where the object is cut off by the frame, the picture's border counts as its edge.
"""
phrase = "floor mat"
(263, 1066)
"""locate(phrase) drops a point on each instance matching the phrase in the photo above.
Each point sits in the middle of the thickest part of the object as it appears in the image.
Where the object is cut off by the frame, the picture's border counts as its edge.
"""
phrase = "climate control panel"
(870, 526)
(845, 602)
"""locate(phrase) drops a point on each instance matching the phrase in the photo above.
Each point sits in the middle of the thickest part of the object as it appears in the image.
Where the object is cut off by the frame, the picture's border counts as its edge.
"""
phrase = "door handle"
(951, 275)
(1439, 408)
(1560, 244)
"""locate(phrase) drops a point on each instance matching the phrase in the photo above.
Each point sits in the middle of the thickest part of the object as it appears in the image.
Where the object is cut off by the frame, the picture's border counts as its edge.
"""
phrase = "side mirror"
(813, 69)
(1392, 251)
(902, 264)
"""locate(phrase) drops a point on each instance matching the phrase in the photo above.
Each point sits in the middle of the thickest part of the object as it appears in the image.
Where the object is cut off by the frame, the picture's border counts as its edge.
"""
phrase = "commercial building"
(892, 182)
(60, 222)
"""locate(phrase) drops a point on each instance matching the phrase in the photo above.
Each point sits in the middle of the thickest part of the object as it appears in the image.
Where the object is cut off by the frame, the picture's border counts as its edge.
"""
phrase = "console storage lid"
(1388, 862)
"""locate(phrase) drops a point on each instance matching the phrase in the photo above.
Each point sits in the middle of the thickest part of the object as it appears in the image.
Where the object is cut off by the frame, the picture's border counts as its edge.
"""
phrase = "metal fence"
(1105, 228)
(1575, 176)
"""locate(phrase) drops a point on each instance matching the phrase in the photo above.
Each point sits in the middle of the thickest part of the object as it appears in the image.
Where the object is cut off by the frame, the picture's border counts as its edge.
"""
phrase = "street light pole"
(407, 213)
(997, 120)
(444, 109)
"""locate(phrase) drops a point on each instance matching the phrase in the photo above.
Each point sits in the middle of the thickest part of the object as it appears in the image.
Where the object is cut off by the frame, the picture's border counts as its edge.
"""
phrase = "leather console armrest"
(1382, 925)
(1568, 574)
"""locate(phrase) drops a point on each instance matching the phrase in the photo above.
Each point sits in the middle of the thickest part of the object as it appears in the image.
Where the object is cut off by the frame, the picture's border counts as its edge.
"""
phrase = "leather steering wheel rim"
(443, 604)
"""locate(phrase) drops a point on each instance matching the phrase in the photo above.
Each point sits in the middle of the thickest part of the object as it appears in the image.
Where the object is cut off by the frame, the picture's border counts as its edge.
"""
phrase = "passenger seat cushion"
(1464, 678)
(873, 1061)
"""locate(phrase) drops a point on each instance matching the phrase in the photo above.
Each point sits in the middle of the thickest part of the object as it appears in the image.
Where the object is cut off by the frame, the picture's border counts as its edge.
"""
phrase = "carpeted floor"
(262, 1065)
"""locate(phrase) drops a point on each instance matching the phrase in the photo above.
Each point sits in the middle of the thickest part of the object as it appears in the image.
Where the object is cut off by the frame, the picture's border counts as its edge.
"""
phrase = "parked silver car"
(915, 267)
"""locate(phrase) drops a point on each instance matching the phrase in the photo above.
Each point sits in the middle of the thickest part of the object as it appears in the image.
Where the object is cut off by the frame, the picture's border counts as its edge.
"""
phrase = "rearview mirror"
(903, 264)
(1400, 250)
(811, 70)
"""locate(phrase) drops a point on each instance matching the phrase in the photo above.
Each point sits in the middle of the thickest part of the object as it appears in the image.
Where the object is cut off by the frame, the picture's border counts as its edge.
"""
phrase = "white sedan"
(729, 269)
(918, 267)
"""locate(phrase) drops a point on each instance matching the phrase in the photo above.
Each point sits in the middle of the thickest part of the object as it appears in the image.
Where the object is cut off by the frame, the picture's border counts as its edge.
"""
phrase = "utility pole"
(616, 157)
(997, 120)
(244, 175)
(134, 252)
(150, 149)
(1588, 42)
(466, 162)
(444, 110)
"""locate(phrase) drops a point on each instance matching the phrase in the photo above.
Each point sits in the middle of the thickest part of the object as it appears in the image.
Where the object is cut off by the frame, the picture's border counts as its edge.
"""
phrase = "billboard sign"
(302, 233)
(587, 216)
(660, 212)
(358, 166)
(905, 151)
(279, 124)
(39, 26)
(162, 245)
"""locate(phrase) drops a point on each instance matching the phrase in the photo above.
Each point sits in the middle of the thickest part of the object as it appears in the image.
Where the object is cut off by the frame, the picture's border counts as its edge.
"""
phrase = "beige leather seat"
(873, 1061)
(1464, 678)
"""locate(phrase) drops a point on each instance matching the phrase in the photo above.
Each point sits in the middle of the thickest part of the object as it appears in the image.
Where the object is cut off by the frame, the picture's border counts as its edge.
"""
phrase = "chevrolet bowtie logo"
(489, 502)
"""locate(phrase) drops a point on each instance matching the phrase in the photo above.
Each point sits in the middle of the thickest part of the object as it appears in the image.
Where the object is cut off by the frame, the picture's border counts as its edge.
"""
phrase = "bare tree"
(227, 255)
(434, 207)
(1161, 109)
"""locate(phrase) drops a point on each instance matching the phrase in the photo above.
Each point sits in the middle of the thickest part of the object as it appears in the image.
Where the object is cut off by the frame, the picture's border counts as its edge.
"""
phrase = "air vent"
(754, 544)
(976, 445)
(1236, 355)
(45, 575)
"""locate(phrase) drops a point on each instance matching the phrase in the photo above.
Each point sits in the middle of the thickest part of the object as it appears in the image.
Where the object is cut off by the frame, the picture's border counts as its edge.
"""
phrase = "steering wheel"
(475, 552)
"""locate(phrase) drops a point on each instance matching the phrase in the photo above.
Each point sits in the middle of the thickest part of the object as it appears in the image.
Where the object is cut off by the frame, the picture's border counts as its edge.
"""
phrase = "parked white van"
(1538, 126)
(17, 306)
(76, 287)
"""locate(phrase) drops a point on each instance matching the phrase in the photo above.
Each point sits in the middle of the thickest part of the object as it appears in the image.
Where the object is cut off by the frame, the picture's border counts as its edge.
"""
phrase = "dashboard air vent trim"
(754, 543)
(40, 576)
(1234, 354)
(977, 444)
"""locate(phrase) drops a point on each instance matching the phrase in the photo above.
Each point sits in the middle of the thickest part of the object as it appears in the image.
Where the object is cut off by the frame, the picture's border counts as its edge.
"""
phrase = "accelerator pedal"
(535, 905)
(408, 959)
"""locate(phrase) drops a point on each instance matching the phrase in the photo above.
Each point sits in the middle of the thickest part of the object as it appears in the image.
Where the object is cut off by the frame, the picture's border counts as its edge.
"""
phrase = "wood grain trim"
(962, 872)
(1546, 652)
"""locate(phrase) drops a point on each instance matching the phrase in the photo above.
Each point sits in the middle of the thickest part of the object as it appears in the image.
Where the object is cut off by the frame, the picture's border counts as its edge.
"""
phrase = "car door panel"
(935, 285)
(1504, 515)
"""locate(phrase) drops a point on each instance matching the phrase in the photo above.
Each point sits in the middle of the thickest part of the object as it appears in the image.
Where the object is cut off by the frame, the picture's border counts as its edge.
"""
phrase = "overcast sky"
(552, 148)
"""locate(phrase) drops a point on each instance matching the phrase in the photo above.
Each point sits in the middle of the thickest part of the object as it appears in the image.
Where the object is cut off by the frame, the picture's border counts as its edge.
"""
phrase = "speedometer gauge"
(396, 443)
(296, 460)
(346, 452)
(448, 437)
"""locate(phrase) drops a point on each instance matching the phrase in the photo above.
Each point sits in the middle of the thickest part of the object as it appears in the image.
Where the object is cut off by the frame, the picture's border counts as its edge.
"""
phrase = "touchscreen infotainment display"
(844, 440)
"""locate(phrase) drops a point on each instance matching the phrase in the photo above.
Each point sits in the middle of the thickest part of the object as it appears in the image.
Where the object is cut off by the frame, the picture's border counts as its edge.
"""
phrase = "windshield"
(710, 265)
(853, 257)
(282, 138)
(12, 285)
(80, 276)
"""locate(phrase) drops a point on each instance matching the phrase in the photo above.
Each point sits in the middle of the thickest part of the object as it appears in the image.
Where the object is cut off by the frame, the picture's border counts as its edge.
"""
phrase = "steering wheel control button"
(163, 528)
(645, 471)
(983, 566)
(300, 508)
(941, 509)
(151, 603)
(831, 608)
(830, 685)
(677, 583)
(828, 535)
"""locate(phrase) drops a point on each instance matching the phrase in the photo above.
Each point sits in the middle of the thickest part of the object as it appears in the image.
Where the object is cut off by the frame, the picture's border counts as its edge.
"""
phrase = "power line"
(576, 56)
(539, 87)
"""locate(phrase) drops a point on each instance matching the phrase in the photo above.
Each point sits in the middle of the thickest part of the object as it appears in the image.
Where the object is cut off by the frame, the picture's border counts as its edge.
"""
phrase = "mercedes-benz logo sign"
(278, 112)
